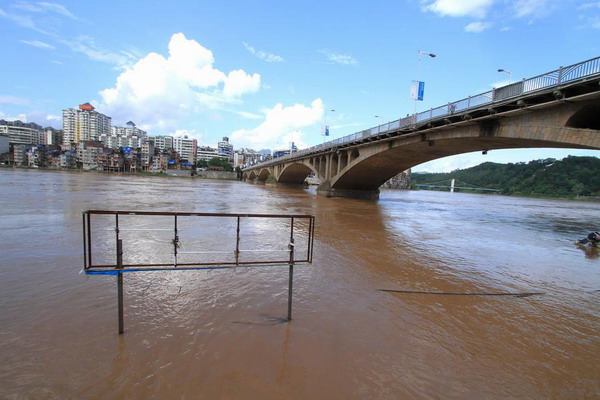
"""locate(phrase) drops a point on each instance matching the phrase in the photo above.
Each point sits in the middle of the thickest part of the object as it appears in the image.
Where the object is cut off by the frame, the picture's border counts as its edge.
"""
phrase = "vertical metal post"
(291, 279)
(84, 243)
(175, 242)
(89, 239)
(312, 238)
(237, 243)
(119, 276)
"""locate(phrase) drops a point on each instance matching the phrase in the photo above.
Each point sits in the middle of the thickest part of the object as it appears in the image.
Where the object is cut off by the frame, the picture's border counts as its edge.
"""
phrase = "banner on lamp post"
(325, 130)
(417, 89)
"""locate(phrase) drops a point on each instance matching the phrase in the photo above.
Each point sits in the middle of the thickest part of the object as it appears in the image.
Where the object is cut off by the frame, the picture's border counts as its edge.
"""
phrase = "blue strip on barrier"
(117, 271)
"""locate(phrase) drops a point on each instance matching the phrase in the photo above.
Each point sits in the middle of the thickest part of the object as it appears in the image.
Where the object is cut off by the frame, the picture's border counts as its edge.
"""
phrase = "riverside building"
(84, 123)
(22, 132)
(186, 148)
(124, 136)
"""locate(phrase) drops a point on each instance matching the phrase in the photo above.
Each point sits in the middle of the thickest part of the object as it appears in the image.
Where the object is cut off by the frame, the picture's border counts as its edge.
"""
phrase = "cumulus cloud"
(159, 91)
(339, 58)
(263, 55)
(248, 115)
(281, 125)
(478, 26)
(190, 133)
(460, 8)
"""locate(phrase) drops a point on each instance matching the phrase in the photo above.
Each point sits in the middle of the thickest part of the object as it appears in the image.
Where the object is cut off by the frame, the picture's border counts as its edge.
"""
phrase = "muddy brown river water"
(218, 334)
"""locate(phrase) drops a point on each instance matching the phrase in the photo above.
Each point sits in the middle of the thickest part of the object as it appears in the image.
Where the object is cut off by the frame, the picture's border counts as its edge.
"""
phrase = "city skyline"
(265, 80)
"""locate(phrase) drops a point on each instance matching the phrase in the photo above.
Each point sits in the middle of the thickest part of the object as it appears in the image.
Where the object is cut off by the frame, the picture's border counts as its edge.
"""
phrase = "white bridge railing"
(545, 81)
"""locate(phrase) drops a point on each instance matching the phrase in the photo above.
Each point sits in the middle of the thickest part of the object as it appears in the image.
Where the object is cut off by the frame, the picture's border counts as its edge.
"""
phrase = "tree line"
(569, 177)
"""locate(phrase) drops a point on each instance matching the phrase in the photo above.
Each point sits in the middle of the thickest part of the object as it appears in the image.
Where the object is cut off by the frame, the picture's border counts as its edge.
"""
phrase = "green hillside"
(569, 177)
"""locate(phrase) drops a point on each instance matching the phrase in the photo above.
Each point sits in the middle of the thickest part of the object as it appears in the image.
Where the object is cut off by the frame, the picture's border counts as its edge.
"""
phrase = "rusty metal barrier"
(300, 225)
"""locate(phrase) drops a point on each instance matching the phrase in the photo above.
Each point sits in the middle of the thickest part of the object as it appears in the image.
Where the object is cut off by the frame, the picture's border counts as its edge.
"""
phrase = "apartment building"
(186, 148)
(84, 123)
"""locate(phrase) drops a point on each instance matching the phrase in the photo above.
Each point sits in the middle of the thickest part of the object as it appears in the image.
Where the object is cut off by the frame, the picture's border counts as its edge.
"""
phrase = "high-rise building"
(84, 123)
(225, 148)
(186, 148)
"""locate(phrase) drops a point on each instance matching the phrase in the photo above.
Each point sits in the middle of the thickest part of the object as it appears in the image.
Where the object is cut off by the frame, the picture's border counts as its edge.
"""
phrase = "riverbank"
(217, 175)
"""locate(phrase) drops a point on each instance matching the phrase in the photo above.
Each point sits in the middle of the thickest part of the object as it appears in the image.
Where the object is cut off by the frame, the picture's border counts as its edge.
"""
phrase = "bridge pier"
(327, 191)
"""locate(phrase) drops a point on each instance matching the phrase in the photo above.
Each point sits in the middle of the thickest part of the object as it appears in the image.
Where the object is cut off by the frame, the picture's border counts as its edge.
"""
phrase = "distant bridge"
(451, 185)
(557, 109)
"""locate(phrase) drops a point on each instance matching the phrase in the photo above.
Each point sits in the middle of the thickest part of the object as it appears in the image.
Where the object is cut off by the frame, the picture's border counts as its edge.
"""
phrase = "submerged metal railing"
(552, 79)
(300, 227)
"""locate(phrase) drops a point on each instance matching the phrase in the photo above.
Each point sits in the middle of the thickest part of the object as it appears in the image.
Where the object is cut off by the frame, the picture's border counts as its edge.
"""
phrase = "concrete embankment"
(222, 175)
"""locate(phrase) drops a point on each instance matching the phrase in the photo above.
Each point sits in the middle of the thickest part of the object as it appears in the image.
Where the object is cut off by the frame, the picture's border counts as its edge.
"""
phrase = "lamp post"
(420, 53)
(509, 75)
(325, 127)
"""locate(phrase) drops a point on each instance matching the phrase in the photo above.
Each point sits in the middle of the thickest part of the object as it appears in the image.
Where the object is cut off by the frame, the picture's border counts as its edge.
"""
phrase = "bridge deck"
(551, 86)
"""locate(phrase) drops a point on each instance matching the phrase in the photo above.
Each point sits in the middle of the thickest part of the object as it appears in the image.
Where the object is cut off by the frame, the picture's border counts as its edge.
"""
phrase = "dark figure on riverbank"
(593, 239)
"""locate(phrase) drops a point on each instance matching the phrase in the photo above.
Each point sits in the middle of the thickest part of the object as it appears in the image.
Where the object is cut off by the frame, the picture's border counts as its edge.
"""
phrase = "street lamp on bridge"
(509, 75)
(325, 132)
(417, 91)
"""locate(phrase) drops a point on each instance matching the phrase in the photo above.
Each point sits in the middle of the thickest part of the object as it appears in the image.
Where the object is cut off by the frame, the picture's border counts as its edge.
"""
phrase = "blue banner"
(417, 90)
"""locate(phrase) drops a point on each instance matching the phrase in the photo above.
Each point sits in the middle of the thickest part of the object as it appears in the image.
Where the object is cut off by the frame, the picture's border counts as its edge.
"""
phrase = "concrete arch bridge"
(560, 109)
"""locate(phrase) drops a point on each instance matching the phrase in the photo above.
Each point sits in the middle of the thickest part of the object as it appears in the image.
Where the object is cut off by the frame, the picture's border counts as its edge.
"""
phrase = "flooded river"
(218, 334)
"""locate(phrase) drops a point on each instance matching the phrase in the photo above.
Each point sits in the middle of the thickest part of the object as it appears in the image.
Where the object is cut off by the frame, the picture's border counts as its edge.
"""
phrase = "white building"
(124, 136)
(161, 142)
(225, 149)
(207, 153)
(24, 134)
(84, 123)
(186, 148)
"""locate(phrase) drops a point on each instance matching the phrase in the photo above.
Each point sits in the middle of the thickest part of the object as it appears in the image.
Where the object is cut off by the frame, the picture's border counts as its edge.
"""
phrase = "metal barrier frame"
(119, 268)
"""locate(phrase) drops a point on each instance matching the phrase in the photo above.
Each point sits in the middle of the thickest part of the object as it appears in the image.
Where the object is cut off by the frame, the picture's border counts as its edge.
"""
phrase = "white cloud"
(190, 133)
(339, 58)
(281, 125)
(478, 26)
(159, 92)
(501, 83)
(87, 45)
(24, 21)
(460, 8)
(531, 8)
(248, 115)
(38, 44)
(4, 99)
(42, 7)
(263, 55)
(57, 8)
(587, 6)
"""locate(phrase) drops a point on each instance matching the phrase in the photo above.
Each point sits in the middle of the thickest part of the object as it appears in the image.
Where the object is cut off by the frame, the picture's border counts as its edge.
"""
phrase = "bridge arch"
(295, 173)
(263, 175)
(252, 175)
(378, 163)
(586, 118)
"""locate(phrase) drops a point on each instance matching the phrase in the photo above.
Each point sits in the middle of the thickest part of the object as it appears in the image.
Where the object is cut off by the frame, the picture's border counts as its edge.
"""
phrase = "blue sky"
(265, 73)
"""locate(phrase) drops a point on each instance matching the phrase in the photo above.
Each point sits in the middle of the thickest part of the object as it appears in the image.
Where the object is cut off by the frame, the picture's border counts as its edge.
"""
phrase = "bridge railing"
(545, 81)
